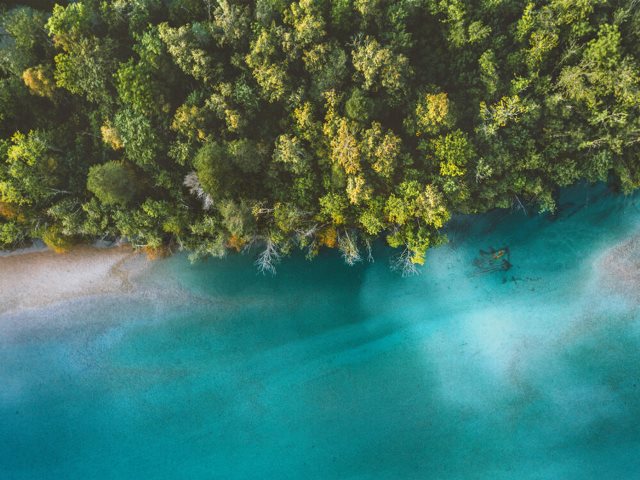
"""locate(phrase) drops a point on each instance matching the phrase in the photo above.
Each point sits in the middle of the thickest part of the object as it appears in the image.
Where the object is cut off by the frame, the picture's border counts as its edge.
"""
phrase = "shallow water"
(330, 372)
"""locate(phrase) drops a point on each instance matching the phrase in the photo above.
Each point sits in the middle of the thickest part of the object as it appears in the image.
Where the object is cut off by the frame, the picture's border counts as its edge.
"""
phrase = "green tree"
(379, 67)
(113, 183)
(32, 173)
(307, 124)
(26, 44)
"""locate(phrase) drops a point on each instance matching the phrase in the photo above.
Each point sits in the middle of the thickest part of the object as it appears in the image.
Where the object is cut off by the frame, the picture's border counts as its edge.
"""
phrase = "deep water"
(329, 372)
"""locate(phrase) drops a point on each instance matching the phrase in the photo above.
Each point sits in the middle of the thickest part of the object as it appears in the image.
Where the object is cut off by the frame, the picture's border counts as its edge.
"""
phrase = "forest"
(270, 126)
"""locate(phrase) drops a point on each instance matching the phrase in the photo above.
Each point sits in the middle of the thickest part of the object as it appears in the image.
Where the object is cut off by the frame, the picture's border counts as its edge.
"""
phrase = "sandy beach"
(36, 279)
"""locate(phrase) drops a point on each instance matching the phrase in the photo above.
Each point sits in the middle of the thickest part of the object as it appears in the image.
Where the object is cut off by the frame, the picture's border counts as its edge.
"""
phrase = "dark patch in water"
(493, 260)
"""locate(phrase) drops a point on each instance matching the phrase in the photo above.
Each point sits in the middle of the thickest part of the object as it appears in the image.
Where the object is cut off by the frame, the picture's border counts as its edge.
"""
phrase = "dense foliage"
(218, 125)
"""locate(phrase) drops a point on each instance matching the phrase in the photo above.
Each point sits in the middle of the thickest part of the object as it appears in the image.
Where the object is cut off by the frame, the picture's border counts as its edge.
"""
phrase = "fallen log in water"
(493, 260)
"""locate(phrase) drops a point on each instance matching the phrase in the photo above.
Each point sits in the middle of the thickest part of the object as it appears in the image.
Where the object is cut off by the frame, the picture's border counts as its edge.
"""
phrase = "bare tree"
(195, 188)
(402, 263)
(348, 247)
(521, 205)
(307, 233)
(268, 258)
(367, 245)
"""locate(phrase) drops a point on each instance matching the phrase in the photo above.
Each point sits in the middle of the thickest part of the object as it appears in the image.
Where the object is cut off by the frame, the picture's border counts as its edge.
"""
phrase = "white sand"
(619, 268)
(40, 278)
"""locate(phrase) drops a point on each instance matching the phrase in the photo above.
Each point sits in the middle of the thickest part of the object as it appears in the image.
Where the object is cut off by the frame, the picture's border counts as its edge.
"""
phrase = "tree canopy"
(282, 125)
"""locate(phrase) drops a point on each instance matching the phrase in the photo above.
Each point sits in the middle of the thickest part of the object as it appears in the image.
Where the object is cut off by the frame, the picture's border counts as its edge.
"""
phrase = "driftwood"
(493, 260)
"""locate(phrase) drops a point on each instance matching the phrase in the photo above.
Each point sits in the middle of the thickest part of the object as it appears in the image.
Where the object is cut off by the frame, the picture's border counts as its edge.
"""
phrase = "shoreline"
(35, 277)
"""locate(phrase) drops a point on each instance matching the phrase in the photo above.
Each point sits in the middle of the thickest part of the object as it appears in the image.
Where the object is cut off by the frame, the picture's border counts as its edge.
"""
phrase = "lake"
(515, 354)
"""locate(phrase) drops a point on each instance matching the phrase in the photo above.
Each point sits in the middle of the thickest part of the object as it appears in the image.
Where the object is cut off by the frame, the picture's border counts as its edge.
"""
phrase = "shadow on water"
(297, 298)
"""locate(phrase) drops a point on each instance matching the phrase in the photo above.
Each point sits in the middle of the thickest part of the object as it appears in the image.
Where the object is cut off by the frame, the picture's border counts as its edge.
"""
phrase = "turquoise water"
(330, 372)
